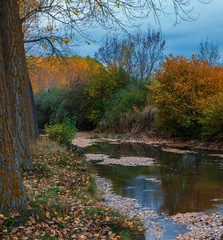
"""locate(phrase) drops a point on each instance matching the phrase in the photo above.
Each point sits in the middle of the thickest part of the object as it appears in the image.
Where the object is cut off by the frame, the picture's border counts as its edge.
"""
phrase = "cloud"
(184, 38)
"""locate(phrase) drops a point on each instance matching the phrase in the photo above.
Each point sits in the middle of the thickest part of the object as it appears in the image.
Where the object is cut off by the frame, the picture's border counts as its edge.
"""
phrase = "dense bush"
(126, 107)
(76, 104)
(59, 102)
(101, 88)
(63, 132)
(85, 102)
(46, 103)
(182, 88)
(212, 120)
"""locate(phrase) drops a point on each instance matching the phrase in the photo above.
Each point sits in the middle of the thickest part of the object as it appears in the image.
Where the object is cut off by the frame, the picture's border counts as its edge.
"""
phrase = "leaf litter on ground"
(62, 204)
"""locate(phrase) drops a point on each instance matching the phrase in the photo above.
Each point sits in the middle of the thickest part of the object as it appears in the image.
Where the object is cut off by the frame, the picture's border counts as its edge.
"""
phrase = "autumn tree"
(16, 116)
(69, 72)
(184, 91)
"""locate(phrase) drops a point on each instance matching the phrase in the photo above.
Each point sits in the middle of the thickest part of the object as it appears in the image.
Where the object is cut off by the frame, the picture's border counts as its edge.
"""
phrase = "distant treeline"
(182, 97)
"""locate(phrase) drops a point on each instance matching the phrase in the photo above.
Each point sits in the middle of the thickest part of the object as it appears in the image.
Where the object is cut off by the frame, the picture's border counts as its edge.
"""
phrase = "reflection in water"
(189, 182)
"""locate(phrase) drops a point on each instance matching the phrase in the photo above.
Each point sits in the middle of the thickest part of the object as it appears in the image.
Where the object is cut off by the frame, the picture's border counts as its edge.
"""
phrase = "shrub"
(136, 121)
(84, 101)
(76, 104)
(46, 102)
(62, 132)
(181, 90)
(123, 110)
(212, 120)
(101, 88)
(87, 102)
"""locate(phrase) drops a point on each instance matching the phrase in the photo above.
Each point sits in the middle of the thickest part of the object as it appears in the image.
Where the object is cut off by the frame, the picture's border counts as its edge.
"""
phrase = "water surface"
(190, 182)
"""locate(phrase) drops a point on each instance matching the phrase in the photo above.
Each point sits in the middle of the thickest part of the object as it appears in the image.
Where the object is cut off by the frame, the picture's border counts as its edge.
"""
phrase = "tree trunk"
(36, 131)
(16, 117)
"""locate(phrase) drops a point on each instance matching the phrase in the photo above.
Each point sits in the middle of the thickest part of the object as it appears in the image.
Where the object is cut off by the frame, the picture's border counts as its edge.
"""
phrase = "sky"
(184, 38)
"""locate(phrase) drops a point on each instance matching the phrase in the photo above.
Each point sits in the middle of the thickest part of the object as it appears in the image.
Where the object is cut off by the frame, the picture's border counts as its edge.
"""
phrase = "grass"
(45, 146)
(62, 203)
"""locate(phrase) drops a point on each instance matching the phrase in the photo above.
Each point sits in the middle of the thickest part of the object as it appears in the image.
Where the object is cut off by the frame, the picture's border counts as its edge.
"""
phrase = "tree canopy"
(54, 23)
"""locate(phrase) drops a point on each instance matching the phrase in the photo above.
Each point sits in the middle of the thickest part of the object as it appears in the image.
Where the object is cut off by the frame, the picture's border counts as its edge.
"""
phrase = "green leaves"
(62, 132)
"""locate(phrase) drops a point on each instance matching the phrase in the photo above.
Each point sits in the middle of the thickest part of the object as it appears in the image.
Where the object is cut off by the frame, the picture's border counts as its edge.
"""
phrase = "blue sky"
(184, 38)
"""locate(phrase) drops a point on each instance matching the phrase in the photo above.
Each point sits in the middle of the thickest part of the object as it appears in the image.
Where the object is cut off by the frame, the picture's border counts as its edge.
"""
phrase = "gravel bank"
(201, 225)
(174, 150)
(83, 142)
(128, 206)
(125, 161)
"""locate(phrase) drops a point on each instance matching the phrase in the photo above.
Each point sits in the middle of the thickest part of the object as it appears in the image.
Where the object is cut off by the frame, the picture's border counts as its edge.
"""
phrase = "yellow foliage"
(47, 72)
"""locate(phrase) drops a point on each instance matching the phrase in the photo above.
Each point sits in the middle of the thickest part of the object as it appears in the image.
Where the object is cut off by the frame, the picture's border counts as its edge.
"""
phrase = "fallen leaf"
(59, 219)
(2, 217)
(47, 214)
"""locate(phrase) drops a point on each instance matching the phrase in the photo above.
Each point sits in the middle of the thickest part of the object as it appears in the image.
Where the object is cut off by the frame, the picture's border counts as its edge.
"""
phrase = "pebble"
(125, 161)
(84, 142)
(153, 180)
(175, 150)
(201, 225)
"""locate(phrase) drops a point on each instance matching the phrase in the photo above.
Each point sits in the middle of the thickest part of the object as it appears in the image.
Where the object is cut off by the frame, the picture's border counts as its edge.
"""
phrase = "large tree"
(16, 115)
(16, 121)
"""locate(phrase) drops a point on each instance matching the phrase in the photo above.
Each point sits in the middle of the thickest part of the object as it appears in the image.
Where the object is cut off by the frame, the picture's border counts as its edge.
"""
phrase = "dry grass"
(46, 146)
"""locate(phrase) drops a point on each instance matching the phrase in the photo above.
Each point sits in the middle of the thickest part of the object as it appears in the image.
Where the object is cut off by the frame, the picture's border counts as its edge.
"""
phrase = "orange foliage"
(181, 89)
(47, 72)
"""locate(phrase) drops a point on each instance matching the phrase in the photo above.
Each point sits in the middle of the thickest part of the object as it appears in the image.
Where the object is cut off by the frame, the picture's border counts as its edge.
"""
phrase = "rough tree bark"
(16, 115)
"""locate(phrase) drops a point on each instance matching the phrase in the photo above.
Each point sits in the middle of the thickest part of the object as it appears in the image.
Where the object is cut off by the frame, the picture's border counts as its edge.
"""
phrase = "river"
(181, 180)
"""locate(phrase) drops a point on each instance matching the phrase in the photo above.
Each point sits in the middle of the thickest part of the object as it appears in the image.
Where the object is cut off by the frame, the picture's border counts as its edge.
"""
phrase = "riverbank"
(63, 202)
(183, 185)
(88, 138)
